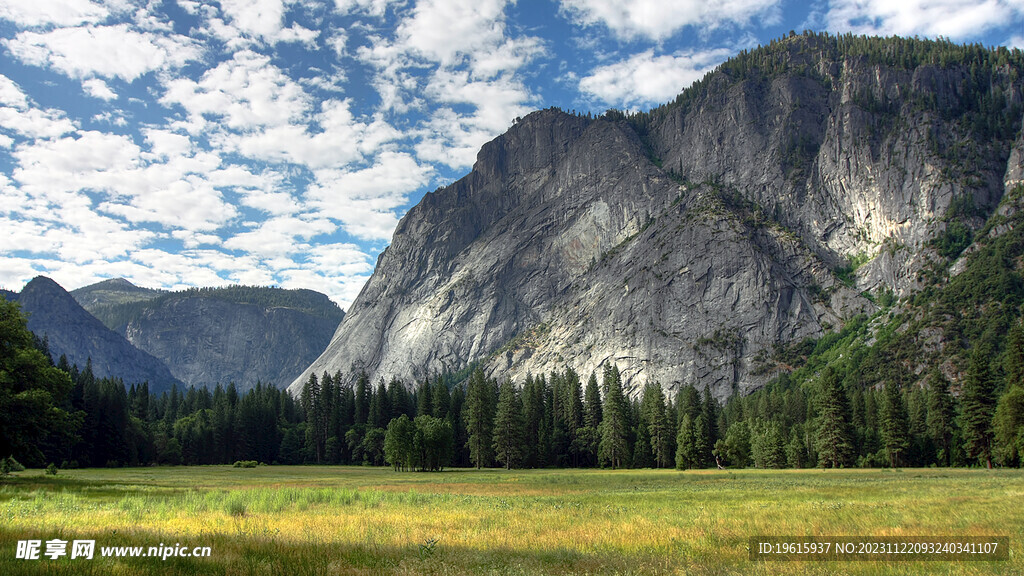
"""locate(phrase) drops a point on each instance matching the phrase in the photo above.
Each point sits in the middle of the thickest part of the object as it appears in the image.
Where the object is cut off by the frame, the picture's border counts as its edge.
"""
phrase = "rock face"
(206, 339)
(770, 202)
(75, 333)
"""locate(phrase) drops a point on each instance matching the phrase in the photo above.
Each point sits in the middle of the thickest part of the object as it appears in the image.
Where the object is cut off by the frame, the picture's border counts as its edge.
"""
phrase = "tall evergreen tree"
(592, 404)
(978, 403)
(653, 415)
(941, 418)
(363, 398)
(833, 438)
(614, 448)
(895, 430)
(509, 430)
(480, 409)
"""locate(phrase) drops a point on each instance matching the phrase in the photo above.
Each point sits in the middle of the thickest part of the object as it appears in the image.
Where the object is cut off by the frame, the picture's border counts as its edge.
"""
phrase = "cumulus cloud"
(957, 19)
(648, 79)
(109, 51)
(57, 12)
(657, 20)
(247, 92)
(365, 200)
(371, 7)
(264, 20)
(98, 89)
(35, 123)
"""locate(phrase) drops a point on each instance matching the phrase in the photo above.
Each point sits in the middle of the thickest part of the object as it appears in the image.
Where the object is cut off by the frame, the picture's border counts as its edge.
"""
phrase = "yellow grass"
(351, 520)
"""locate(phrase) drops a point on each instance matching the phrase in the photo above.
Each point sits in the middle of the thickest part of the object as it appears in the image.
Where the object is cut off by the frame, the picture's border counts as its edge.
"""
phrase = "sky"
(183, 143)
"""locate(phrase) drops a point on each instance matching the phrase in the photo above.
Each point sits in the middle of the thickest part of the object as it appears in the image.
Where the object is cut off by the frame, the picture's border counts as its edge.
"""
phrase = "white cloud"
(264, 20)
(370, 7)
(57, 12)
(657, 20)
(648, 79)
(951, 18)
(98, 89)
(74, 163)
(280, 236)
(455, 138)
(167, 144)
(11, 94)
(35, 123)
(108, 51)
(365, 200)
(188, 203)
(446, 30)
(247, 91)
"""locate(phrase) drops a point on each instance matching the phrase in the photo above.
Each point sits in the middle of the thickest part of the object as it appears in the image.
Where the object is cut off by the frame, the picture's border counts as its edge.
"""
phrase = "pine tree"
(833, 439)
(440, 399)
(894, 421)
(652, 413)
(509, 430)
(978, 406)
(941, 418)
(379, 409)
(687, 450)
(614, 448)
(363, 397)
(480, 409)
(592, 404)
(1008, 426)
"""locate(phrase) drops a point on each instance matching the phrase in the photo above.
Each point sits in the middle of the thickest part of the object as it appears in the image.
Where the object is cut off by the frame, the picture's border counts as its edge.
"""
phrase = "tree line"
(59, 413)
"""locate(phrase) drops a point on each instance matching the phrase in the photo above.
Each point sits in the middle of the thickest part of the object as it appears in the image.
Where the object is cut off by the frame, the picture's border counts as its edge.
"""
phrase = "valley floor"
(354, 520)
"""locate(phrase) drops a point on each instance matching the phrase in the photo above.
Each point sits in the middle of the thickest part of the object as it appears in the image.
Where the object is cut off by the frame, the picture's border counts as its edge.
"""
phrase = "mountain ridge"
(206, 336)
(808, 177)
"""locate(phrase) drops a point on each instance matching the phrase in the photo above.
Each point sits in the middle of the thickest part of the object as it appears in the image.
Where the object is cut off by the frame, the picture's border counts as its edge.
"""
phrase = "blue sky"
(277, 142)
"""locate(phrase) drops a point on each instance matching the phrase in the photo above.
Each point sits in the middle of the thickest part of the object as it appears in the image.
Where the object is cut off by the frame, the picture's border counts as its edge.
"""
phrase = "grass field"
(351, 520)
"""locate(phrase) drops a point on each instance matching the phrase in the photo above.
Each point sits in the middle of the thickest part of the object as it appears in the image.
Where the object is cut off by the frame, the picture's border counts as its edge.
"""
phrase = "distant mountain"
(75, 333)
(239, 334)
(101, 297)
(784, 194)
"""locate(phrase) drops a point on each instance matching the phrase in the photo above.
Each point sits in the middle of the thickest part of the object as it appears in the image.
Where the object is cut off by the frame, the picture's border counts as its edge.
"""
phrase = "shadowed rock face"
(207, 340)
(74, 332)
(685, 244)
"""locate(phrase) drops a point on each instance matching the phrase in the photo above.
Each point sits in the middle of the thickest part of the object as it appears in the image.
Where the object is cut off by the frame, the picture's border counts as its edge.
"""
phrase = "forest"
(72, 419)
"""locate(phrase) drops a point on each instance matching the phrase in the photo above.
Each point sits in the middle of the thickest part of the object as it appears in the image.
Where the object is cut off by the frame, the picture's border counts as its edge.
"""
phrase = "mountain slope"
(773, 200)
(71, 331)
(235, 334)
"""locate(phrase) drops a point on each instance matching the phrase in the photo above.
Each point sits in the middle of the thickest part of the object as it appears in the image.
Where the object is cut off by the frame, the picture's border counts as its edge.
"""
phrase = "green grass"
(352, 520)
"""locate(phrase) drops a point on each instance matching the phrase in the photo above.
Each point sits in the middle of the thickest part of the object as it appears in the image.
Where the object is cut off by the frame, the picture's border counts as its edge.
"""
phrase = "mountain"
(72, 331)
(206, 336)
(782, 195)
(101, 298)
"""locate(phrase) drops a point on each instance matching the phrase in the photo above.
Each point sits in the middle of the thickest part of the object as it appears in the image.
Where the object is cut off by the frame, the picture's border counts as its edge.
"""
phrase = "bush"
(9, 464)
(51, 469)
(246, 463)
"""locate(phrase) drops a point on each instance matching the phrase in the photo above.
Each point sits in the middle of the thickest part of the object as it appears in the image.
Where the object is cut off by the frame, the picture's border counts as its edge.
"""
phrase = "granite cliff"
(73, 332)
(773, 200)
(207, 336)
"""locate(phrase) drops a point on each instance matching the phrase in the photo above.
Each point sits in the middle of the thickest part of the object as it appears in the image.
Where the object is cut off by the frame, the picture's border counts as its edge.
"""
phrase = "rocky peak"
(768, 203)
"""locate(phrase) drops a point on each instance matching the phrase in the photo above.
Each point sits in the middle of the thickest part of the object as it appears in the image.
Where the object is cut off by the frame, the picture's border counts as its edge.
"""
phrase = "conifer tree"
(833, 437)
(614, 448)
(363, 397)
(941, 418)
(480, 409)
(509, 431)
(894, 421)
(687, 450)
(978, 406)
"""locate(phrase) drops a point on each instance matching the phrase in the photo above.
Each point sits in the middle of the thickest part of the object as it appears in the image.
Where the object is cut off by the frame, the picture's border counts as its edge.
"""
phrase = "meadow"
(358, 520)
